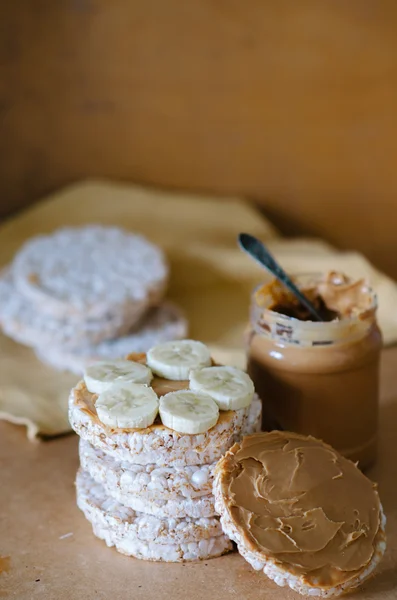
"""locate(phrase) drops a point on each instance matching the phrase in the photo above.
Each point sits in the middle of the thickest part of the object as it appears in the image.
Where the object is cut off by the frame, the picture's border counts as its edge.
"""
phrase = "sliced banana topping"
(175, 360)
(100, 376)
(127, 405)
(188, 412)
(231, 388)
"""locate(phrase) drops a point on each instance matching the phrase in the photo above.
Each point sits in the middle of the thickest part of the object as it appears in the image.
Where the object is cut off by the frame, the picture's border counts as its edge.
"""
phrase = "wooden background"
(290, 103)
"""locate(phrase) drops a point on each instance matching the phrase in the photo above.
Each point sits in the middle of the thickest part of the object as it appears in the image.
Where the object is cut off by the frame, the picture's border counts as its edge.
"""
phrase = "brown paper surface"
(210, 278)
(50, 552)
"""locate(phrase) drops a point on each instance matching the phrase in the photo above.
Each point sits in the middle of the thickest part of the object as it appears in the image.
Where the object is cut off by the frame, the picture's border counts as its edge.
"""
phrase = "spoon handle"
(257, 250)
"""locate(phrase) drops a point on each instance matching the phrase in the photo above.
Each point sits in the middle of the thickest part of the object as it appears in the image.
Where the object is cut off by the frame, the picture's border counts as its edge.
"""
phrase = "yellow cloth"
(210, 278)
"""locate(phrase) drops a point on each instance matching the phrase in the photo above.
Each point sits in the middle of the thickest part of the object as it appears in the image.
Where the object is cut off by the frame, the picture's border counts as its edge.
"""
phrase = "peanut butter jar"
(319, 378)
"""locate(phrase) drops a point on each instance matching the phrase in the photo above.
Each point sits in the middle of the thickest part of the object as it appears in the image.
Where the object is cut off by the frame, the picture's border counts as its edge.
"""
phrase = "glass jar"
(318, 378)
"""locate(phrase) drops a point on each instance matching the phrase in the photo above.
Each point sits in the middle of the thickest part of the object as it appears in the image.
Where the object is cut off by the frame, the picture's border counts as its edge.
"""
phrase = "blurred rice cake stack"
(86, 294)
(151, 429)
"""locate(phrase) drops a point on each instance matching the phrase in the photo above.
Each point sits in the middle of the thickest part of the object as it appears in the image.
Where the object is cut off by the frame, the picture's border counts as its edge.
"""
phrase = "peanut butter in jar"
(319, 378)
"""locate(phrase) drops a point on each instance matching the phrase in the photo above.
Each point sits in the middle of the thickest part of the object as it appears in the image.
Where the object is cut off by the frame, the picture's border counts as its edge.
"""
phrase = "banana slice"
(100, 376)
(127, 405)
(188, 412)
(175, 360)
(230, 387)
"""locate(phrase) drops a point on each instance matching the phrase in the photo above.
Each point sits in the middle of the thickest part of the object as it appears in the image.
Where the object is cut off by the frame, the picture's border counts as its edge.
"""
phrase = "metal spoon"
(257, 250)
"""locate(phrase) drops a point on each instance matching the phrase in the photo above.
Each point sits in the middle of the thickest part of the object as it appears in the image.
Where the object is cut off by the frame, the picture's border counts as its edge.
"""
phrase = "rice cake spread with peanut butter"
(301, 512)
(158, 444)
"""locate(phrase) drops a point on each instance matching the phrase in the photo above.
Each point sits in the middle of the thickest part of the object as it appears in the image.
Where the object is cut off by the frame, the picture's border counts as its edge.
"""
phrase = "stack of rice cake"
(148, 490)
(85, 294)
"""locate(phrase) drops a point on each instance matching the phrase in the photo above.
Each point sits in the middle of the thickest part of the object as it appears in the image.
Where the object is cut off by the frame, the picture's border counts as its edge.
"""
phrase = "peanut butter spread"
(298, 501)
(335, 296)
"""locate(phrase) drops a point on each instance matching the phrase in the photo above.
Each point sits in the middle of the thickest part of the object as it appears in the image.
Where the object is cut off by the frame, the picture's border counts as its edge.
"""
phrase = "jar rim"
(277, 325)
(318, 274)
